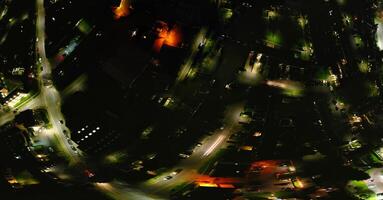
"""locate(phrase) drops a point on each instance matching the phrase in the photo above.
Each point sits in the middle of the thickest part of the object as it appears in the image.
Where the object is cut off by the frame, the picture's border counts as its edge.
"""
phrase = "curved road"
(51, 99)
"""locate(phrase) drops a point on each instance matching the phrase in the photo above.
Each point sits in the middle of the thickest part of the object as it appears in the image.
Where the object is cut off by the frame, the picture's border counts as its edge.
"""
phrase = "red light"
(172, 37)
(122, 10)
(60, 58)
(226, 186)
(89, 174)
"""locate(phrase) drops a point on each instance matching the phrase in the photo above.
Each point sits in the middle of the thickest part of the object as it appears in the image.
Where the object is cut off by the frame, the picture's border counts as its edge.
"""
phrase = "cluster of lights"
(18, 71)
(355, 119)
(3, 92)
(89, 134)
(14, 99)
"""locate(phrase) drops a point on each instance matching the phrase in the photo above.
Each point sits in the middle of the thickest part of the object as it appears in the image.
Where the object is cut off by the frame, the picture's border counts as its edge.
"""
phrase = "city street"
(210, 146)
(192, 100)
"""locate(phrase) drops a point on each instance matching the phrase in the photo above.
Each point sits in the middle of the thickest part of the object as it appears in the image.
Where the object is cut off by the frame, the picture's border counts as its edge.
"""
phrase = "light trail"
(290, 88)
(215, 144)
(379, 34)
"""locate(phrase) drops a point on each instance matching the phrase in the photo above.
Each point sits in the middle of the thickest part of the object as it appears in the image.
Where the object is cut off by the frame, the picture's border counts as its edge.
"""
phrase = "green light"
(322, 74)
(273, 39)
(293, 92)
(302, 21)
(26, 178)
(360, 190)
(145, 134)
(342, 2)
(227, 13)
(364, 66)
(114, 158)
(306, 50)
(84, 26)
(358, 41)
(373, 89)
(271, 14)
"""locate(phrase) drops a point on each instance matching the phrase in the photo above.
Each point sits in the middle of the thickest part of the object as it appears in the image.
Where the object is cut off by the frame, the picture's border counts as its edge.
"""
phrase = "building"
(12, 98)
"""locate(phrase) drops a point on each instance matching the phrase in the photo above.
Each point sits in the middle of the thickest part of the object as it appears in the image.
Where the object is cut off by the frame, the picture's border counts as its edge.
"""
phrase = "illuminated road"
(190, 166)
(50, 97)
(7, 116)
(201, 155)
(120, 190)
(76, 86)
(379, 34)
(40, 40)
(185, 68)
(52, 101)
(158, 186)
